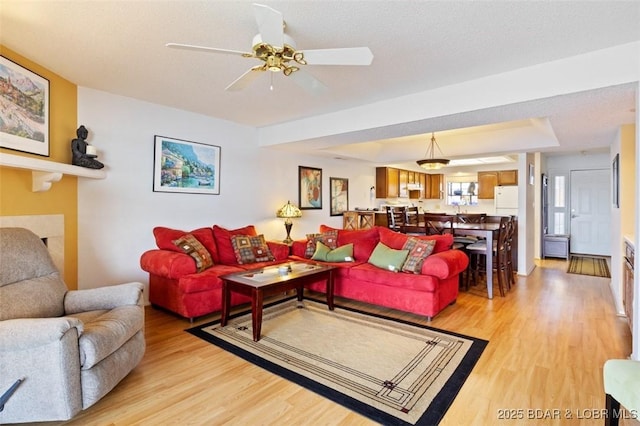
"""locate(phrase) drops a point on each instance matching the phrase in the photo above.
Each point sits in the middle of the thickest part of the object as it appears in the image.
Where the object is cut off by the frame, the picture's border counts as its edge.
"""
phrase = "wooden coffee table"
(268, 281)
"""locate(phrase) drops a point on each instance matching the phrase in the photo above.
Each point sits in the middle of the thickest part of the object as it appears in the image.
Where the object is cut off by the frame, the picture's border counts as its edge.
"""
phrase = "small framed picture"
(184, 166)
(25, 109)
(339, 188)
(309, 188)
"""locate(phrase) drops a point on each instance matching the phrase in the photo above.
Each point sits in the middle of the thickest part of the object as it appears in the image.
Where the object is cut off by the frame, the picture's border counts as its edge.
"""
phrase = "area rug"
(390, 371)
(587, 265)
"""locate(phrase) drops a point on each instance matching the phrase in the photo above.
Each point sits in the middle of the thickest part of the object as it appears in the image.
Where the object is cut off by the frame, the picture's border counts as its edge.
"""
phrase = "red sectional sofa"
(426, 293)
(175, 284)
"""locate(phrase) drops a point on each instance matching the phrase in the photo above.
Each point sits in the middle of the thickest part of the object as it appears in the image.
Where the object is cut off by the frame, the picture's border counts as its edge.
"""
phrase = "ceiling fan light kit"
(276, 49)
(431, 163)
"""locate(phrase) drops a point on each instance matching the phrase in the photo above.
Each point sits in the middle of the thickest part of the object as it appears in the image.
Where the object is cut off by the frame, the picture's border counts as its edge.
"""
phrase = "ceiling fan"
(278, 53)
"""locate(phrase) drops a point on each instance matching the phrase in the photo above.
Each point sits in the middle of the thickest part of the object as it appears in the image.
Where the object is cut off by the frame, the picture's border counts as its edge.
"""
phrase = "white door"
(591, 212)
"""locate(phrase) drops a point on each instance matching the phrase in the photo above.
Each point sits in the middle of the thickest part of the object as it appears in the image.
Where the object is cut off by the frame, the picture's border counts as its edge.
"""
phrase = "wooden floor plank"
(548, 340)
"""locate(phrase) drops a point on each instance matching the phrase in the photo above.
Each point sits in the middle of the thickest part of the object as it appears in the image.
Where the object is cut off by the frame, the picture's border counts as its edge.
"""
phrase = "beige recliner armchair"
(69, 347)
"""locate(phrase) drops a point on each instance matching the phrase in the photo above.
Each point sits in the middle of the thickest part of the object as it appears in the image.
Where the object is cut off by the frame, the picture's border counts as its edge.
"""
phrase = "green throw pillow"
(339, 254)
(388, 258)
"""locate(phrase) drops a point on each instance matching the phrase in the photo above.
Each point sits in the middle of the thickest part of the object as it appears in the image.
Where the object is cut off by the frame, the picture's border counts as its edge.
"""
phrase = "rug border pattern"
(432, 415)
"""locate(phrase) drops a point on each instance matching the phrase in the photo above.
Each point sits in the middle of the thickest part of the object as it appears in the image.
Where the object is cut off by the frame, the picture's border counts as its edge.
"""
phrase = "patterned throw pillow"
(251, 249)
(328, 238)
(191, 246)
(419, 250)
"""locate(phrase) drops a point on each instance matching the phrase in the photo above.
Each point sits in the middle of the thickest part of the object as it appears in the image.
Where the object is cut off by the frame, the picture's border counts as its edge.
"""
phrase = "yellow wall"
(627, 179)
(16, 197)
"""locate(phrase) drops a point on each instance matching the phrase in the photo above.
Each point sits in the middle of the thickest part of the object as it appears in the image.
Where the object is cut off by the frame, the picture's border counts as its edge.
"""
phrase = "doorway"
(590, 212)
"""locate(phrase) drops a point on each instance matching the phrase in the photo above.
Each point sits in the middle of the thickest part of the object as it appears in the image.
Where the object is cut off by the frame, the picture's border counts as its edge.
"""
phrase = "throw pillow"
(191, 246)
(339, 254)
(222, 236)
(166, 236)
(388, 258)
(329, 239)
(251, 249)
(419, 250)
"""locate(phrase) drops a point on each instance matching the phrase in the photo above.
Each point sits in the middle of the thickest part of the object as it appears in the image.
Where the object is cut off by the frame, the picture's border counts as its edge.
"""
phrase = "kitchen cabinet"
(434, 185)
(488, 180)
(393, 183)
(507, 177)
(628, 295)
(387, 182)
(403, 180)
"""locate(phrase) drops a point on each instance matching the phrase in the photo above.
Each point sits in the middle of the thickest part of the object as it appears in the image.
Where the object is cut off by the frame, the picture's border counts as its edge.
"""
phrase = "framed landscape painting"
(184, 166)
(339, 196)
(309, 188)
(24, 109)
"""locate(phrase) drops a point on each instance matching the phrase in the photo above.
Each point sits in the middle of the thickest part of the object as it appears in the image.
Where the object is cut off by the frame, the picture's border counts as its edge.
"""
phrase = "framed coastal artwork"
(185, 167)
(309, 188)
(339, 189)
(24, 109)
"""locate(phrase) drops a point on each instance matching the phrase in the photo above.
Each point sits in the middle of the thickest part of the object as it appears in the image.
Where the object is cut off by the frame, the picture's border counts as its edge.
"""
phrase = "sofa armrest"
(101, 298)
(279, 250)
(167, 264)
(25, 333)
(445, 264)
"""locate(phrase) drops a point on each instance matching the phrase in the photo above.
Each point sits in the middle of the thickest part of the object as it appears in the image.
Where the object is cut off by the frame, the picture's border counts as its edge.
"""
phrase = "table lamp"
(287, 212)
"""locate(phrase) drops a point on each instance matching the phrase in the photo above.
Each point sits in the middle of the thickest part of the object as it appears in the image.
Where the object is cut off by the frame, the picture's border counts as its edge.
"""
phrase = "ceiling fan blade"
(206, 49)
(270, 25)
(245, 79)
(308, 82)
(344, 56)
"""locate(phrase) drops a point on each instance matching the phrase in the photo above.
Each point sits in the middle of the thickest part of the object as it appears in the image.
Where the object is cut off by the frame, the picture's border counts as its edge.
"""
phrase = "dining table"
(489, 231)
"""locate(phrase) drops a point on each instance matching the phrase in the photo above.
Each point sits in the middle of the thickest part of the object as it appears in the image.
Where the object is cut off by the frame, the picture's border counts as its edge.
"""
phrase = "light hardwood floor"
(548, 340)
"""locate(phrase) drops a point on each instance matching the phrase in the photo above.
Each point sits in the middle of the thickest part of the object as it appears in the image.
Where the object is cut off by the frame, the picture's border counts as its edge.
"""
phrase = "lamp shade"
(288, 211)
(432, 163)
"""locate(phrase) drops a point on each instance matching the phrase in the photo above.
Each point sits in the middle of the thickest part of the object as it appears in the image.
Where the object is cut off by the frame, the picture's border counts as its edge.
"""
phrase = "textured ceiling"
(118, 47)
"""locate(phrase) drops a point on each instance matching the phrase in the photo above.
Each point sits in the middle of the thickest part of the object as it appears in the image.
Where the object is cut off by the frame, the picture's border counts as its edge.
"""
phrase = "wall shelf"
(44, 172)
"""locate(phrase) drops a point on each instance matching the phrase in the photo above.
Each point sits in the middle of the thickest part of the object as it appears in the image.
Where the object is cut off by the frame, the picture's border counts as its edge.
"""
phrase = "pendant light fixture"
(431, 163)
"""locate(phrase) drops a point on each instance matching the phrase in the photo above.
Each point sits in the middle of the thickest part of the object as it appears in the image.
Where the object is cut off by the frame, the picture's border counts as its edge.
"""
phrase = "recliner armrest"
(107, 297)
(25, 333)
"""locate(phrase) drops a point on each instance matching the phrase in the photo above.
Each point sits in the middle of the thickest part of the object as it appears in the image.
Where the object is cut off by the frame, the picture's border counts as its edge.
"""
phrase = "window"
(462, 193)
(558, 205)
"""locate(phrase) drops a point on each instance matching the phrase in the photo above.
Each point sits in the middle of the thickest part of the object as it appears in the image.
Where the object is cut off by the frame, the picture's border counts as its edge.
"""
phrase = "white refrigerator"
(506, 200)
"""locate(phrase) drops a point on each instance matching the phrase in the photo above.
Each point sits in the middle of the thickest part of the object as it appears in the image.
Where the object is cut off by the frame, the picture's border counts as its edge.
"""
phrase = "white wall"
(116, 215)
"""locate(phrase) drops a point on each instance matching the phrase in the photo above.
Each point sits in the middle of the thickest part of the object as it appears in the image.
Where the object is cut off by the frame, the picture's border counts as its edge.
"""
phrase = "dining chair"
(509, 242)
(439, 224)
(412, 221)
(471, 217)
(478, 252)
(395, 217)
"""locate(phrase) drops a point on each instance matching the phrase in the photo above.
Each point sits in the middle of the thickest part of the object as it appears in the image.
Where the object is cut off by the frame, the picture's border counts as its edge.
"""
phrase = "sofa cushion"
(166, 236)
(368, 273)
(328, 238)
(387, 258)
(222, 236)
(419, 250)
(251, 249)
(363, 240)
(191, 246)
(396, 240)
(339, 254)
